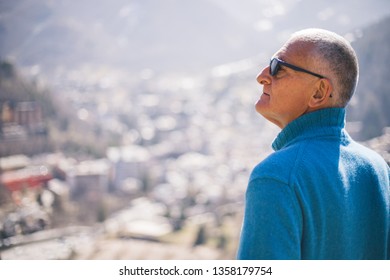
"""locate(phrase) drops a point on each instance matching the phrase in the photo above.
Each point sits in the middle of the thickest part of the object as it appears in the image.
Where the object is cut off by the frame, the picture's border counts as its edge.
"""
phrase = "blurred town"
(103, 160)
(173, 188)
(175, 182)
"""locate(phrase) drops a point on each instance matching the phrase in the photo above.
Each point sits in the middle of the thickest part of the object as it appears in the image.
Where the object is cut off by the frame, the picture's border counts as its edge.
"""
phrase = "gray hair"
(338, 57)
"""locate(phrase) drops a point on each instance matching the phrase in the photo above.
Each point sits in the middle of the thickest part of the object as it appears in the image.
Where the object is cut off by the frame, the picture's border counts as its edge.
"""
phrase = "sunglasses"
(276, 63)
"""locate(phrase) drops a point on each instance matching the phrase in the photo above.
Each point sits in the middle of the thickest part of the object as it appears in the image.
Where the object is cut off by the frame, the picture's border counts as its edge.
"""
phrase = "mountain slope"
(169, 35)
(157, 34)
(371, 102)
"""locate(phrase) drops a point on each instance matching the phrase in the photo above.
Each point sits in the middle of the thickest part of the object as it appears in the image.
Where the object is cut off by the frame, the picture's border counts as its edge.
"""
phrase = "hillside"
(162, 35)
(48, 126)
(371, 103)
(15, 88)
(170, 35)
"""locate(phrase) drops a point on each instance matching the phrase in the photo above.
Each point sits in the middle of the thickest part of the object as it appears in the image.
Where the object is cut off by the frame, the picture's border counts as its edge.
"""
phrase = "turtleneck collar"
(324, 122)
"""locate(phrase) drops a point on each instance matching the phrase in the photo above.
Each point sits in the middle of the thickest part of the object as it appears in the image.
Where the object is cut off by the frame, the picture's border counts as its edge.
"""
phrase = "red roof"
(30, 177)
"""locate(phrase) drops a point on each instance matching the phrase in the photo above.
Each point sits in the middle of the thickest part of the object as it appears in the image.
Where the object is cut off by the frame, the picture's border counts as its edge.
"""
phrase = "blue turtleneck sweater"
(320, 195)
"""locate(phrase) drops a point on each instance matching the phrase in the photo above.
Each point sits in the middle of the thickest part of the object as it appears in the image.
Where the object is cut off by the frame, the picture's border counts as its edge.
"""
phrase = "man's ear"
(322, 94)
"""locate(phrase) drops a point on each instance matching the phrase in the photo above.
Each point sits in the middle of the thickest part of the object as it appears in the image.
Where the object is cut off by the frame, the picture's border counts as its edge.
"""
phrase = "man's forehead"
(295, 49)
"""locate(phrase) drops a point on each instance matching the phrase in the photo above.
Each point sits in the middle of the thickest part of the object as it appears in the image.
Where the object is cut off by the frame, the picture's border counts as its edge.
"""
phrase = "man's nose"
(264, 77)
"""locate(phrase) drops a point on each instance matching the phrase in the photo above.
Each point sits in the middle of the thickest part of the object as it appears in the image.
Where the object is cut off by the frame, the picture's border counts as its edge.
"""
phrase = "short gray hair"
(338, 56)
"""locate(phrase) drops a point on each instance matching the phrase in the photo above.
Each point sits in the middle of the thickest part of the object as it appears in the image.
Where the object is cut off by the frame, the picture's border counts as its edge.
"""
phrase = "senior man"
(320, 195)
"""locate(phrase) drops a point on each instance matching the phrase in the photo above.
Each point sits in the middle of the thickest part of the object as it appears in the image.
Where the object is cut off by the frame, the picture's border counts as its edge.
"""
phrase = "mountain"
(370, 105)
(162, 35)
(169, 35)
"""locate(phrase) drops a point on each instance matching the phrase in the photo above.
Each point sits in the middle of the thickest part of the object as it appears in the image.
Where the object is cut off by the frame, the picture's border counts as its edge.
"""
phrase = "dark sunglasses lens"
(274, 67)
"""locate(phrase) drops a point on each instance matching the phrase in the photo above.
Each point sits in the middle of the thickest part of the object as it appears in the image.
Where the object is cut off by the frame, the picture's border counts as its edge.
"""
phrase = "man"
(320, 195)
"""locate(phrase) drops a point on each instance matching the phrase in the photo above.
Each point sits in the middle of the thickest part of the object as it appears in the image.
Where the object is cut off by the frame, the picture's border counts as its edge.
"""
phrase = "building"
(22, 129)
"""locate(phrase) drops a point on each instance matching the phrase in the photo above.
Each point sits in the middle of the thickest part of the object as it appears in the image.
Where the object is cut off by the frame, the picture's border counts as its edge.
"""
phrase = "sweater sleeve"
(272, 225)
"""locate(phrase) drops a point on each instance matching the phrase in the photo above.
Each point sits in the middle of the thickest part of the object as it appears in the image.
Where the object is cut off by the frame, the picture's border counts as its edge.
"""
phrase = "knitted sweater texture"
(320, 195)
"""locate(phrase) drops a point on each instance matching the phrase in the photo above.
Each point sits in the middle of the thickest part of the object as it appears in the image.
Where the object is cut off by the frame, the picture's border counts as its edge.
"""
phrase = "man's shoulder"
(277, 165)
(367, 156)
